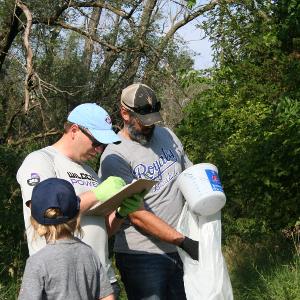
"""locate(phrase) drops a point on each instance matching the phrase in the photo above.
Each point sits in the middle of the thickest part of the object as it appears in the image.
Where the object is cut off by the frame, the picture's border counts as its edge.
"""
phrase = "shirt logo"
(155, 170)
(83, 179)
(34, 179)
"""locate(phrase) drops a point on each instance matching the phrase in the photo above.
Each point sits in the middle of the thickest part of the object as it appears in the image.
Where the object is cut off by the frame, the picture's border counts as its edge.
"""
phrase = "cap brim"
(150, 119)
(105, 136)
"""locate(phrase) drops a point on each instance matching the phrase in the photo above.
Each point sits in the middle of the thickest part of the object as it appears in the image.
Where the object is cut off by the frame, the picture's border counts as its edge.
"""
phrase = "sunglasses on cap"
(95, 143)
(146, 109)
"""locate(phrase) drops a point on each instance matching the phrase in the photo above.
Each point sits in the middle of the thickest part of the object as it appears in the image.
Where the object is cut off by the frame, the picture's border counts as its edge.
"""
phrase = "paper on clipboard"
(103, 209)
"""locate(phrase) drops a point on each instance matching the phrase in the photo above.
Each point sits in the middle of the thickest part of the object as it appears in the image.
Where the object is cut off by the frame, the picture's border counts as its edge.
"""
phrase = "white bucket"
(202, 189)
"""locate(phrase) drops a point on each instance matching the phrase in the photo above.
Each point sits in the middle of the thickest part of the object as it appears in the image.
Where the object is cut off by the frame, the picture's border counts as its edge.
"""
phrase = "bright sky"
(194, 41)
(193, 36)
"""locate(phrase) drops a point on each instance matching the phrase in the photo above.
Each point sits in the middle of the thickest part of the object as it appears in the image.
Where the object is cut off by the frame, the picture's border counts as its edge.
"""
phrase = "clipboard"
(105, 208)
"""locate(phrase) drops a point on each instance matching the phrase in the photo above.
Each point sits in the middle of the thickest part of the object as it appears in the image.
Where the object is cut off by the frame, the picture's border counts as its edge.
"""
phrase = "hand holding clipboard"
(105, 208)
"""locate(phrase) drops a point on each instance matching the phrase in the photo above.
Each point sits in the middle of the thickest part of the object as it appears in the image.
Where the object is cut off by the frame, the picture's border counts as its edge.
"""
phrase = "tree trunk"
(89, 44)
(8, 33)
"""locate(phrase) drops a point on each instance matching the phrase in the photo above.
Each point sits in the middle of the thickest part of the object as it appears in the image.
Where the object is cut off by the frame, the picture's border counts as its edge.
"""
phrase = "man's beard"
(141, 137)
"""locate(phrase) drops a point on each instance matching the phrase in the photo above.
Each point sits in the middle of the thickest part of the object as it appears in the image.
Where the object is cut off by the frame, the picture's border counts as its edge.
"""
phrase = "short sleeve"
(36, 167)
(113, 164)
(32, 287)
(185, 162)
(105, 286)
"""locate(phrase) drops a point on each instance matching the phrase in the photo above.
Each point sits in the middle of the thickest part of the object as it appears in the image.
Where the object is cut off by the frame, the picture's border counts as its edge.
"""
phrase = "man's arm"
(128, 206)
(155, 226)
(105, 190)
(149, 223)
(113, 224)
(114, 164)
(87, 200)
(102, 193)
(109, 297)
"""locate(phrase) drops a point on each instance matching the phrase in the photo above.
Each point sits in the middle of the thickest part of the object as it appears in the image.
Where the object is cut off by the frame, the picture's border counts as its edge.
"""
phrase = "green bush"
(13, 247)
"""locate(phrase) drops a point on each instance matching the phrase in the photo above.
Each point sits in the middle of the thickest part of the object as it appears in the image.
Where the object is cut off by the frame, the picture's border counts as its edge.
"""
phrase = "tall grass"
(282, 283)
(268, 270)
(11, 269)
(10, 291)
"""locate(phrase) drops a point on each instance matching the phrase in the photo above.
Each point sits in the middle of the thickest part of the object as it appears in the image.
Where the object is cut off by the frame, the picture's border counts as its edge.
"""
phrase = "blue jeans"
(151, 276)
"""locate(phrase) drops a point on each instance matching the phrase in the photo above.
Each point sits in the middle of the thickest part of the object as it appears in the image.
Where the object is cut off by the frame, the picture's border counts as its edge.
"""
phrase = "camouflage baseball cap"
(141, 99)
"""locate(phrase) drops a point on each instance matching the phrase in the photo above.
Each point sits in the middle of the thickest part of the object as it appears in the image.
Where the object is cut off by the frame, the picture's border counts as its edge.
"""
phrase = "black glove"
(191, 247)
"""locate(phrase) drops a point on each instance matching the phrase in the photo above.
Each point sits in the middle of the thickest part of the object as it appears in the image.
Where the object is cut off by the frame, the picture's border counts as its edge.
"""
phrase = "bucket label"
(214, 180)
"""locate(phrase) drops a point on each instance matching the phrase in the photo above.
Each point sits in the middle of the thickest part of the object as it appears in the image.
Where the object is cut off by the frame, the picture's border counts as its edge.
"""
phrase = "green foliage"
(243, 117)
(280, 284)
(191, 3)
(247, 123)
(10, 290)
(5, 7)
(265, 270)
(287, 17)
(12, 242)
(13, 245)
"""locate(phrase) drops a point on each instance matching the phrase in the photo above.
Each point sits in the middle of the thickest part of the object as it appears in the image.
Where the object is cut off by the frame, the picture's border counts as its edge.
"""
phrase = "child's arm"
(32, 282)
(106, 291)
(109, 297)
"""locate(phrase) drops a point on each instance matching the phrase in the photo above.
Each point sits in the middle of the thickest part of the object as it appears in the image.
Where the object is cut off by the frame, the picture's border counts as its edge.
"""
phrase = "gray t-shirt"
(46, 163)
(65, 269)
(163, 159)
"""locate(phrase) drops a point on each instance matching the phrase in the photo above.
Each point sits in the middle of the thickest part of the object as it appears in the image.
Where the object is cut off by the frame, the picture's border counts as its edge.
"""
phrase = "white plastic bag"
(206, 279)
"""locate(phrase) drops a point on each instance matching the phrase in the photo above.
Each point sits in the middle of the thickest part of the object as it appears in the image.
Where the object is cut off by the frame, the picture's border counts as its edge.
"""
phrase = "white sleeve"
(36, 167)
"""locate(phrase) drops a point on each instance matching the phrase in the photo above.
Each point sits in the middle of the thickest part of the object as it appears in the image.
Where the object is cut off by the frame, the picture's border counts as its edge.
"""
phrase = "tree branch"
(37, 136)
(8, 33)
(92, 37)
(30, 73)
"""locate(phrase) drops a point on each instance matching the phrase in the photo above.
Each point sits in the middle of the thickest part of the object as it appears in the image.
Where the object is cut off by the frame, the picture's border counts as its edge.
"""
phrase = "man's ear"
(125, 114)
(73, 130)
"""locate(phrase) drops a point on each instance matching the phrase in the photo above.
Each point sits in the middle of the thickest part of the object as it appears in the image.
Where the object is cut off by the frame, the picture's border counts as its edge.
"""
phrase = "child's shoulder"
(64, 247)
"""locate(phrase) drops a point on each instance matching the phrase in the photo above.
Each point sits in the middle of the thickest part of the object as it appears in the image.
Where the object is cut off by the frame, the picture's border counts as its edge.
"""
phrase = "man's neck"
(62, 147)
(124, 132)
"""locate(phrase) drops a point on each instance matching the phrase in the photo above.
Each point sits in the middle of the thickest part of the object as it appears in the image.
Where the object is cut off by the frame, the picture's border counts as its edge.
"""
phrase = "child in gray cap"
(66, 268)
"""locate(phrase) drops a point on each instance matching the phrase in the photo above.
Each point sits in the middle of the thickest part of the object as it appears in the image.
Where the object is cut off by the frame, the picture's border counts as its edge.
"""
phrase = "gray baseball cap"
(141, 99)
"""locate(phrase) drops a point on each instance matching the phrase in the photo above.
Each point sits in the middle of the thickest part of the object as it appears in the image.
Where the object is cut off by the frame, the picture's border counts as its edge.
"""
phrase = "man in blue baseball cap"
(86, 133)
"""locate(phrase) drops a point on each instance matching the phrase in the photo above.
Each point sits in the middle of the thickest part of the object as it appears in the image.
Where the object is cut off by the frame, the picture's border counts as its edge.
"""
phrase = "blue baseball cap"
(54, 193)
(94, 118)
